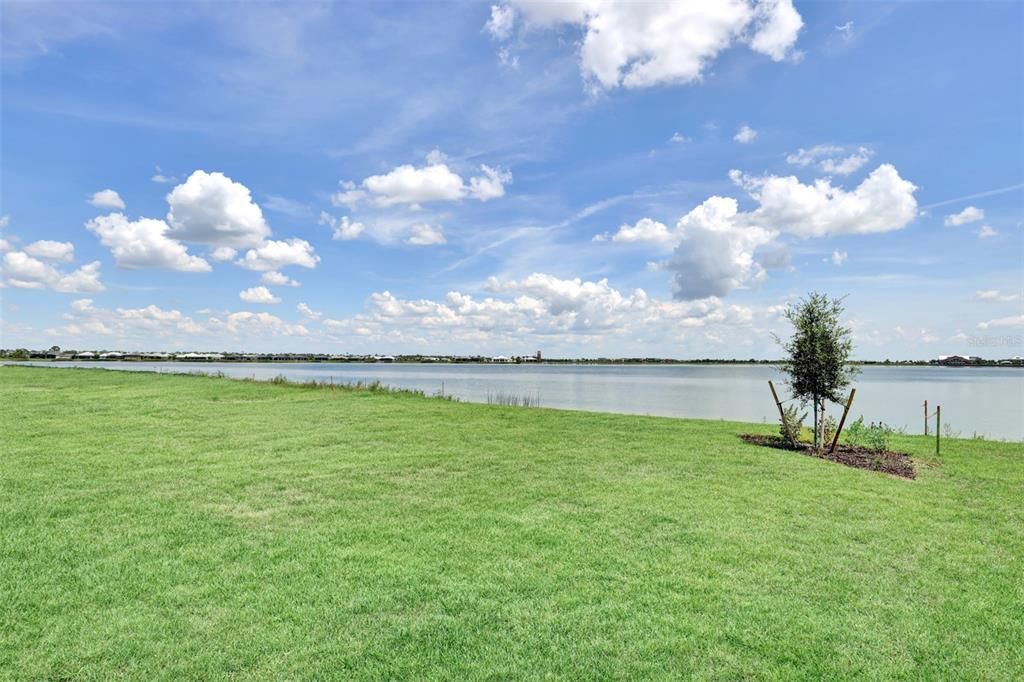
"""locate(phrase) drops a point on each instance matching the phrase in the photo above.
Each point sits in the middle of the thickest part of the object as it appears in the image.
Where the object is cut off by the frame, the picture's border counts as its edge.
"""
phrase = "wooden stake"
(938, 427)
(842, 421)
(926, 417)
(778, 404)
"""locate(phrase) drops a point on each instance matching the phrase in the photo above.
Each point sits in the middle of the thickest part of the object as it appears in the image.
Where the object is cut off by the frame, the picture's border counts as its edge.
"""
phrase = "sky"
(588, 178)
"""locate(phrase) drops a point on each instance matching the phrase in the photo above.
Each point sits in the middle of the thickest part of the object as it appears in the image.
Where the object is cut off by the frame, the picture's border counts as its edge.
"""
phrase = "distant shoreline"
(414, 360)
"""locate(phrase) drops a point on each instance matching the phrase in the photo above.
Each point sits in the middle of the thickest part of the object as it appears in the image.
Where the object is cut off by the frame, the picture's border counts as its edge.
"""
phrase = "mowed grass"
(175, 527)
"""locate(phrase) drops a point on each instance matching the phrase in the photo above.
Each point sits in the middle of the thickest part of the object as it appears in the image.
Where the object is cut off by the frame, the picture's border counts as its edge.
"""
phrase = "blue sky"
(588, 178)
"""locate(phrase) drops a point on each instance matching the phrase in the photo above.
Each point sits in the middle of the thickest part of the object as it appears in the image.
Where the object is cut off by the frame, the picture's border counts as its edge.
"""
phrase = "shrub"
(878, 435)
(829, 429)
(792, 424)
(856, 433)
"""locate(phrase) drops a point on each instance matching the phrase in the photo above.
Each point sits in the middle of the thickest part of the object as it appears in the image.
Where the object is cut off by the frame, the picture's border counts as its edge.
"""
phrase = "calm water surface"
(983, 400)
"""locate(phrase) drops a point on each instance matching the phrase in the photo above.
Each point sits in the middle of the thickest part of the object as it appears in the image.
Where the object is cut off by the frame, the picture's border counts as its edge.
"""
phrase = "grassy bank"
(160, 526)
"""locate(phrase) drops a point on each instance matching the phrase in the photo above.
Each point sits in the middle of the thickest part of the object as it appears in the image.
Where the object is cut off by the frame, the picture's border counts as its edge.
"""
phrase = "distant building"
(958, 360)
(501, 359)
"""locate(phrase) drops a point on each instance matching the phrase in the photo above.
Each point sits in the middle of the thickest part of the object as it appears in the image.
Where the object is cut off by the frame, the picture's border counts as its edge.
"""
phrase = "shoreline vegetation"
(173, 526)
(420, 359)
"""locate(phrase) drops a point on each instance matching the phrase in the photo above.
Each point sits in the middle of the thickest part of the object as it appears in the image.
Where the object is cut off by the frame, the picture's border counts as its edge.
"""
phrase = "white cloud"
(423, 234)
(745, 135)
(832, 159)
(278, 279)
(258, 295)
(639, 44)
(344, 228)
(245, 323)
(537, 309)
(502, 21)
(491, 185)
(715, 253)
(995, 295)
(411, 185)
(645, 231)
(223, 253)
(51, 250)
(144, 243)
(986, 231)
(162, 178)
(274, 255)
(1012, 321)
(839, 257)
(971, 214)
(212, 209)
(407, 184)
(107, 198)
(308, 312)
(22, 271)
(678, 138)
(718, 248)
(881, 203)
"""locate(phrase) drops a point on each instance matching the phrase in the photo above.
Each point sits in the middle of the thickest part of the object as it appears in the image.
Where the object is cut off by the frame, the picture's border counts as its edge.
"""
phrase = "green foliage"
(829, 428)
(151, 532)
(856, 433)
(818, 351)
(791, 425)
(878, 435)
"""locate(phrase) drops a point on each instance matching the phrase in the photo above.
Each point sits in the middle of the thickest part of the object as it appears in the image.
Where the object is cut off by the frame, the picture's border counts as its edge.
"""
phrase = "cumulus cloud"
(343, 228)
(278, 279)
(107, 198)
(831, 159)
(423, 234)
(258, 295)
(537, 307)
(274, 255)
(996, 295)
(22, 271)
(971, 214)
(1012, 321)
(881, 203)
(986, 231)
(678, 138)
(719, 248)
(639, 44)
(144, 243)
(211, 208)
(51, 250)
(151, 322)
(434, 182)
(308, 312)
(745, 135)
(223, 253)
(715, 253)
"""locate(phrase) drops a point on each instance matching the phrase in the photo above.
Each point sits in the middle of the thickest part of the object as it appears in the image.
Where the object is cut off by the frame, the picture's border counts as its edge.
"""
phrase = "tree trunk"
(814, 408)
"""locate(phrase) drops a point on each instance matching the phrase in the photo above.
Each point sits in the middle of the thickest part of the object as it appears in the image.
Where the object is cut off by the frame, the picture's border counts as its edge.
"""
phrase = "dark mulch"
(895, 463)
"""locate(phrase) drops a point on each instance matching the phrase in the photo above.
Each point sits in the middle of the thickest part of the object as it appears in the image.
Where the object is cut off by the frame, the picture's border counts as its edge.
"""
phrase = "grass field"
(173, 527)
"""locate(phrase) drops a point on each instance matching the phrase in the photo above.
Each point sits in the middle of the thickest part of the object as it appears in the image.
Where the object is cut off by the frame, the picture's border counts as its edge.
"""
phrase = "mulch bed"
(894, 463)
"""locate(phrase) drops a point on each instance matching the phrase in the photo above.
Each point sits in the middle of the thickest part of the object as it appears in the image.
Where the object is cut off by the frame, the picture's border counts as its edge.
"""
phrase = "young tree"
(817, 353)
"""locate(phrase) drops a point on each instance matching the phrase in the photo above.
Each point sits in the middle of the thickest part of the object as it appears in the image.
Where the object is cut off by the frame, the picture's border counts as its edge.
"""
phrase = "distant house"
(501, 359)
(958, 360)
(111, 355)
(386, 358)
(85, 355)
(1015, 361)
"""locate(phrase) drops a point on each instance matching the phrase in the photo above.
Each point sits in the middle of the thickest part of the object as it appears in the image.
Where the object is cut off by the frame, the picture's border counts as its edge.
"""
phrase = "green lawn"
(172, 527)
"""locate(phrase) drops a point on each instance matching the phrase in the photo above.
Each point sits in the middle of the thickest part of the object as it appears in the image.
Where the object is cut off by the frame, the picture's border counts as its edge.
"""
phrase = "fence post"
(938, 427)
(926, 417)
(842, 420)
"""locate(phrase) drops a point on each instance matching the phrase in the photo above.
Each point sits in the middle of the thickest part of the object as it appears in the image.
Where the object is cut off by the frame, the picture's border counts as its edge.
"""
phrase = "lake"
(983, 400)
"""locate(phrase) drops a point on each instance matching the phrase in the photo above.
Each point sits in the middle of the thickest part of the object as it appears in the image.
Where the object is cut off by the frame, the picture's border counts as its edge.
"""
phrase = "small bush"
(856, 433)
(792, 424)
(877, 436)
(829, 429)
